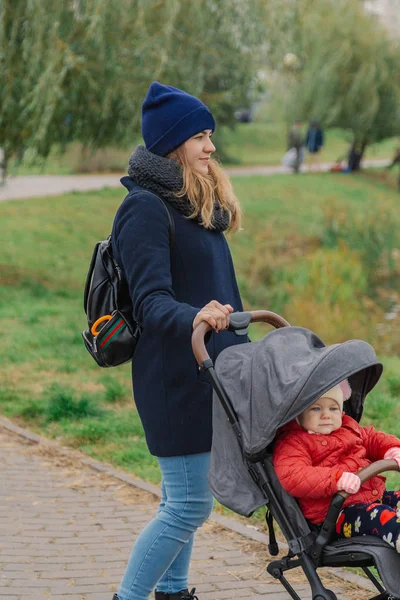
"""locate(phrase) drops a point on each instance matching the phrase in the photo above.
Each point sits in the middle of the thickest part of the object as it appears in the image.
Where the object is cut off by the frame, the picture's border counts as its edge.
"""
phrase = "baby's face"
(324, 416)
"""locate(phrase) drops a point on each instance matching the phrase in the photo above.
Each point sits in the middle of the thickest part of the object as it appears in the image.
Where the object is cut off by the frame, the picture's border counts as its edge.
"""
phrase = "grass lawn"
(49, 383)
(258, 143)
(265, 143)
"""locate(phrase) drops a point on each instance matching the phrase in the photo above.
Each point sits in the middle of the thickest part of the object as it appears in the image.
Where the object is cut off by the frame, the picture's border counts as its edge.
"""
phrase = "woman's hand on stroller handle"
(238, 322)
(216, 315)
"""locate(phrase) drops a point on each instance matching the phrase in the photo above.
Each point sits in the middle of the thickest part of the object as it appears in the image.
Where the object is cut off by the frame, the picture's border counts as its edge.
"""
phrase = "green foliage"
(92, 431)
(375, 240)
(379, 407)
(60, 73)
(328, 277)
(348, 271)
(114, 390)
(62, 404)
(215, 50)
(321, 257)
(347, 71)
(382, 409)
(393, 381)
(32, 411)
(326, 291)
(78, 71)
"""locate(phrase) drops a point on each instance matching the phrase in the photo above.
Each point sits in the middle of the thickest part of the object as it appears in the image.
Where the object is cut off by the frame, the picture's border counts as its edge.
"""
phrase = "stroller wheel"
(328, 596)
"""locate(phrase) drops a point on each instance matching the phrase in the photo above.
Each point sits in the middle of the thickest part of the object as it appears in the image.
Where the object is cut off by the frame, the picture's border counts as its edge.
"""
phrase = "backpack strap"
(171, 223)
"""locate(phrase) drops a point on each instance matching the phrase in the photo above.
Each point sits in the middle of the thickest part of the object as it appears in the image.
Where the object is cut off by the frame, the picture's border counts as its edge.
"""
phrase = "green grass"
(45, 251)
(75, 159)
(258, 143)
(285, 217)
(265, 143)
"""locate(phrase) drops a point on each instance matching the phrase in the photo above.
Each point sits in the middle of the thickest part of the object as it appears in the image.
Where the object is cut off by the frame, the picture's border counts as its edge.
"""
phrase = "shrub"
(114, 390)
(381, 407)
(91, 431)
(101, 160)
(375, 239)
(327, 292)
(63, 405)
(393, 382)
(32, 411)
(273, 258)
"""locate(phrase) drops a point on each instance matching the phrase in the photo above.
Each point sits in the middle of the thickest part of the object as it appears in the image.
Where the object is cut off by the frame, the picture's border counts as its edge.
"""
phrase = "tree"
(68, 71)
(78, 70)
(216, 51)
(349, 69)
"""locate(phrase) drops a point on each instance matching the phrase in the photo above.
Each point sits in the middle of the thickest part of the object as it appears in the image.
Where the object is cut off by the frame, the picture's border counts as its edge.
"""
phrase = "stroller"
(254, 395)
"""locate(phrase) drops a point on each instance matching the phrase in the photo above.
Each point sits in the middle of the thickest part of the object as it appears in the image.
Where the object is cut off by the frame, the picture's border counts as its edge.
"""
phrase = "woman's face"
(198, 150)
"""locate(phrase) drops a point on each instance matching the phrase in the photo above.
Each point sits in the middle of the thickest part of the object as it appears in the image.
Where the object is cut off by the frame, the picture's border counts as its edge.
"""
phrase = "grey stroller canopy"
(269, 383)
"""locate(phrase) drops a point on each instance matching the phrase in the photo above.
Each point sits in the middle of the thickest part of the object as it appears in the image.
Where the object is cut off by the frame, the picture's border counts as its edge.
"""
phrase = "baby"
(320, 453)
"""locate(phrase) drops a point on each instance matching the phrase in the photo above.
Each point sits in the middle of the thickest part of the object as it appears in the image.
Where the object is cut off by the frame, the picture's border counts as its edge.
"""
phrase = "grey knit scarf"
(164, 177)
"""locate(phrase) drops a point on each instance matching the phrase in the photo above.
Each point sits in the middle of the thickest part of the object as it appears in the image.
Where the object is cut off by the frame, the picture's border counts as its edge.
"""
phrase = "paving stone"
(67, 532)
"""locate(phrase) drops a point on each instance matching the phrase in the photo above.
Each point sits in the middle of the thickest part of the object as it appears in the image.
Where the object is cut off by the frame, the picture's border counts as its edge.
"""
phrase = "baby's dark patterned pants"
(381, 518)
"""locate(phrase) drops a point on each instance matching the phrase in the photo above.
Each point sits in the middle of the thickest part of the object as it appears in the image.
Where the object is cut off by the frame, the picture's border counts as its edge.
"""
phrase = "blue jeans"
(161, 555)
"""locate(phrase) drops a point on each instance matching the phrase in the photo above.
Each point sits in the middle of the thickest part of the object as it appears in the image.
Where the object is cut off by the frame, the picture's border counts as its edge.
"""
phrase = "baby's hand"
(349, 482)
(394, 454)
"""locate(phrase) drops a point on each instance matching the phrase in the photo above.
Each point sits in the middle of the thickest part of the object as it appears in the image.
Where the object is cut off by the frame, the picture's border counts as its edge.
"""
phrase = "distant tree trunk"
(356, 154)
(3, 166)
(364, 144)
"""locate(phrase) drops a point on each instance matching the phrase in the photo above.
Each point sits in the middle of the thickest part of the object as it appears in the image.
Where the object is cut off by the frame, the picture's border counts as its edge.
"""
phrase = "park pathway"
(68, 523)
(30, 186)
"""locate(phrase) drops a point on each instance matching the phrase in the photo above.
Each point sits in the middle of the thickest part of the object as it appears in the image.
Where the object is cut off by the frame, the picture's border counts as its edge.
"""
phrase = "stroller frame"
(316, 549)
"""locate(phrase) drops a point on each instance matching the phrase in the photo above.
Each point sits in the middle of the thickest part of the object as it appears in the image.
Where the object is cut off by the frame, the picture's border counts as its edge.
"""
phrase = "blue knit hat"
(170, 117)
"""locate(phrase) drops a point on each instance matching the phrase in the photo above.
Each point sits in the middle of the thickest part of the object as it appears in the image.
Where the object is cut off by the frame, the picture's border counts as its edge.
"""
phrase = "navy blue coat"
(314, 139)
(168, 287)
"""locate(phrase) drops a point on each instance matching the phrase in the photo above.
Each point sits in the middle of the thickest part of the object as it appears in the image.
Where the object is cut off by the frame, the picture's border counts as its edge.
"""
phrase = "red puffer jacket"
(309, 465)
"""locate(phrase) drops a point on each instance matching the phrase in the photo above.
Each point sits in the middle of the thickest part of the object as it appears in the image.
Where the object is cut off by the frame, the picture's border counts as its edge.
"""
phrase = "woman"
(174, 285)
(296, 142)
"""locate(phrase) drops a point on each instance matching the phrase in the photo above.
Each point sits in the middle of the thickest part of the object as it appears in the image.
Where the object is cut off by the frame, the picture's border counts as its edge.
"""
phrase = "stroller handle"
(380, 466)
(238, 321)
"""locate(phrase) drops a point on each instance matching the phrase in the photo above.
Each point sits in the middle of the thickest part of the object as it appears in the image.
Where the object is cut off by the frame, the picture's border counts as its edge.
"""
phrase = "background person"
(296, 141)
(314, 144)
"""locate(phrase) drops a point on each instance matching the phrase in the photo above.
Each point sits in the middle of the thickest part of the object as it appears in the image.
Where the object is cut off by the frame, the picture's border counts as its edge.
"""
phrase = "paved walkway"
(67, 530)
(29, 186)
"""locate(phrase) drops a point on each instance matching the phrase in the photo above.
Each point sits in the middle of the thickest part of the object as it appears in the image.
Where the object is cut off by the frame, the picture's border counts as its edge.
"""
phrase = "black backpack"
(112, 333)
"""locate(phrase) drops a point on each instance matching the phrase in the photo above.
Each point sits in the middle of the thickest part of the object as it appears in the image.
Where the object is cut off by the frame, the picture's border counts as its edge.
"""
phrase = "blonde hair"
(203, 190)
